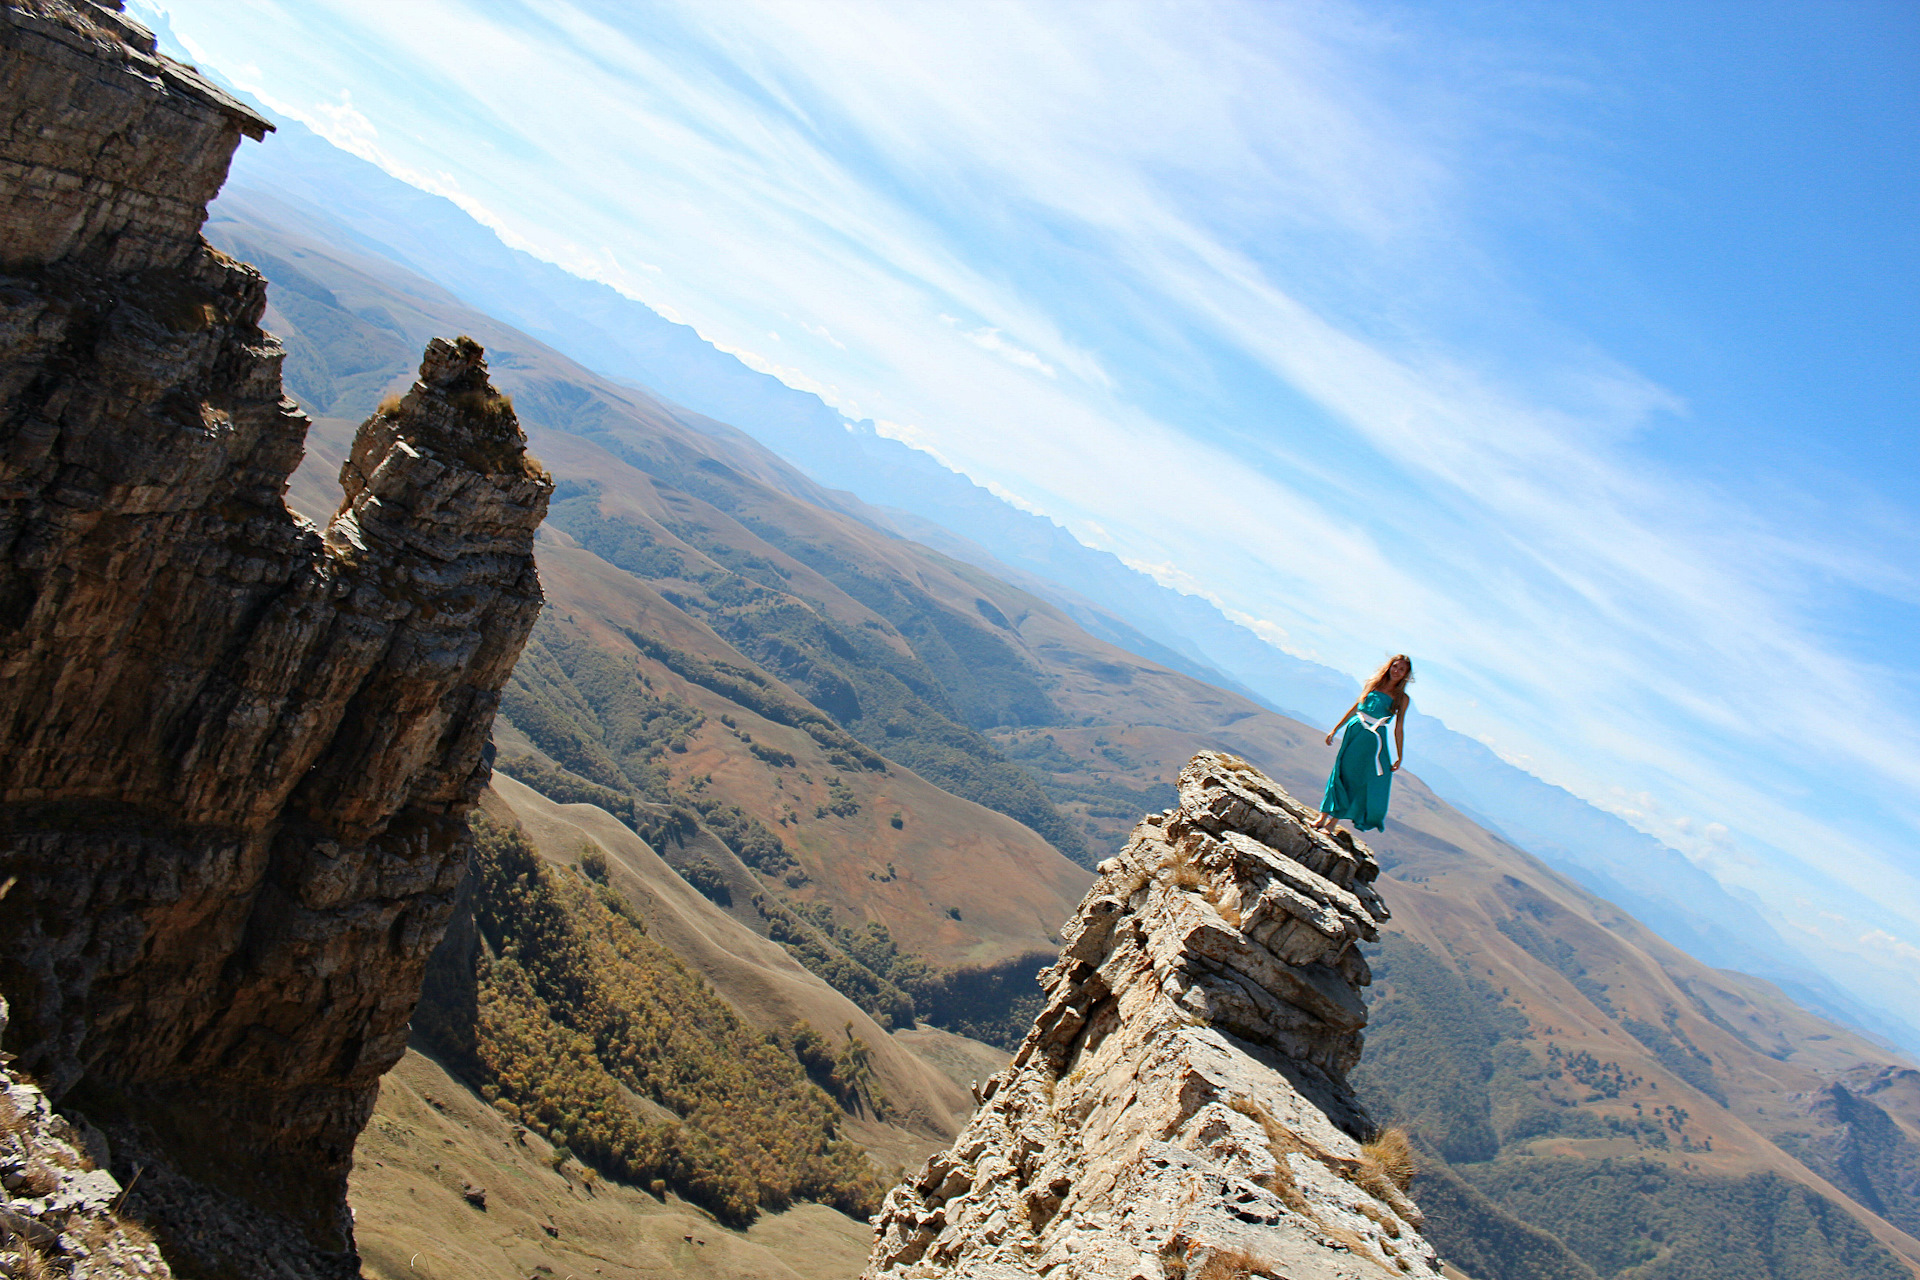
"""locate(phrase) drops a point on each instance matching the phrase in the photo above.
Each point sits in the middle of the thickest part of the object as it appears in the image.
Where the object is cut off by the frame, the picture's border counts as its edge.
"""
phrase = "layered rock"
(1181, 1106)
(236, 751)
(109, 150)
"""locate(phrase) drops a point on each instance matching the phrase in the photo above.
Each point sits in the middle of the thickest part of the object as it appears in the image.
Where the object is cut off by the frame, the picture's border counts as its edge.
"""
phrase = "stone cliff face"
(1180, 1108)
(236, 751)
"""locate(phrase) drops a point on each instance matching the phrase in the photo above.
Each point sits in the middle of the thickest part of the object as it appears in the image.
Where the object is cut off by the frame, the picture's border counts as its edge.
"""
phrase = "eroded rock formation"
(236, 751)
(1181, 1108)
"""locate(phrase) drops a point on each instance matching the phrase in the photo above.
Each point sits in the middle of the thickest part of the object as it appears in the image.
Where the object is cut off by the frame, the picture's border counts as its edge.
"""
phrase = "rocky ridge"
(1181, 1106)
(236, 750)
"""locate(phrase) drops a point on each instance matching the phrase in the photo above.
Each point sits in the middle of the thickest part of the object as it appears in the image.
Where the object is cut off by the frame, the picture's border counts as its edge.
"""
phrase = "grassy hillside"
(712, 989)
(577, 1012)
(723, 634)
(1459, 1064)
(921, 707)
(762, 982)
(1646, 1220)
(1858, 1146)
(432, 1144)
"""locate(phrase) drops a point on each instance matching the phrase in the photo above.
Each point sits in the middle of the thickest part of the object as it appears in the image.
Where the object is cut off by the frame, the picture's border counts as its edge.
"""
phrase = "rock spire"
(236, 751)
(1181, 1107)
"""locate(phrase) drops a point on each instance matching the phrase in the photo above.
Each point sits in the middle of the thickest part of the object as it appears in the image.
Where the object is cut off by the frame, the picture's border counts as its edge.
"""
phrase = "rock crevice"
(236, 750)
(1181, 1106)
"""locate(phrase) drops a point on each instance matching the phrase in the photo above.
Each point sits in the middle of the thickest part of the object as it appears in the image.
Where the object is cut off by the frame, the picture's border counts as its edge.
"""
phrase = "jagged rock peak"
(1181, 1108)
(236, 751)
(452, 412)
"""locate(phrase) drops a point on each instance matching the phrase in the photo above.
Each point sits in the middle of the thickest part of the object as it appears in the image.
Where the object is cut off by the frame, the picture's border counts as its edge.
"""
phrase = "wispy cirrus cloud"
(988, 338)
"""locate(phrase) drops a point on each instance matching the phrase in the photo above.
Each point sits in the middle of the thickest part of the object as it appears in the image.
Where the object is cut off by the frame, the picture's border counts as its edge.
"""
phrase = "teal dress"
(1362, 774)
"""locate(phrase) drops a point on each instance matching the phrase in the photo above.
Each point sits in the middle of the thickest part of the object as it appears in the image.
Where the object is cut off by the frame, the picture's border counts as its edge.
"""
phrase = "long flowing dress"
(1362, 776)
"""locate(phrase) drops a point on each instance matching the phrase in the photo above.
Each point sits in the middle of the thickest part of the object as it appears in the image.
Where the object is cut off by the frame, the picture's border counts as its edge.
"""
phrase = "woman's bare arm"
(1400, 731)
(1344, 717)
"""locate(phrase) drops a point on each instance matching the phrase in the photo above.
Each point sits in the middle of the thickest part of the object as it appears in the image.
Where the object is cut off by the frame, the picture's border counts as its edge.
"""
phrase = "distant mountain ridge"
(922, 499)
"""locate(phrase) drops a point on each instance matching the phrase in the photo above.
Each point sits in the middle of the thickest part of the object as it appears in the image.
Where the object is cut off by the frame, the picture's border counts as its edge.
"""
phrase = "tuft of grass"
(98, 1233)
(1216, 896)
(1182, 873)
(1280, 1142)
(1385, 1221)
(495, 408)
(1236, 1264)
(389, 406)
(38, 1179)
(1392, 1157)
(26, 1262)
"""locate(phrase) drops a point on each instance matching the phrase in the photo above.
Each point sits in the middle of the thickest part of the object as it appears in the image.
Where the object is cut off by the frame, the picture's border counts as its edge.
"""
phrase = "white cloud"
(988, 338)
(821, 332)
(346, 127)
(1881, 940)
(1272, 632)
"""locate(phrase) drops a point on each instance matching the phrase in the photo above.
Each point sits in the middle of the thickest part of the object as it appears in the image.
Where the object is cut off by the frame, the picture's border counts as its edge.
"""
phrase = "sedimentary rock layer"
(1181, 1106)
(236, 751)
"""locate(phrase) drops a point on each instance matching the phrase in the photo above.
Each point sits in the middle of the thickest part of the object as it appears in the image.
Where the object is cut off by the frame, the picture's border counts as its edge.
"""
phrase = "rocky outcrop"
(1181, 1107)
(109, 151)
(58, 1208)
(236, 751)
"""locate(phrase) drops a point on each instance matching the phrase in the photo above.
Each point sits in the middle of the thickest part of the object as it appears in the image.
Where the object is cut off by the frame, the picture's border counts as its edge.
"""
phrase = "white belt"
(1379, 728)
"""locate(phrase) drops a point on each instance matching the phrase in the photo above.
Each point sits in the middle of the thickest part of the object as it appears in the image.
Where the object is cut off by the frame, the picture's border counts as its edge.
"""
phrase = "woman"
(1363, 771)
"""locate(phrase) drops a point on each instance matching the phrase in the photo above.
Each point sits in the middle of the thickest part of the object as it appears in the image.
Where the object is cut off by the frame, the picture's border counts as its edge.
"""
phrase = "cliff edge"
(236, 751)
(1181, 1107)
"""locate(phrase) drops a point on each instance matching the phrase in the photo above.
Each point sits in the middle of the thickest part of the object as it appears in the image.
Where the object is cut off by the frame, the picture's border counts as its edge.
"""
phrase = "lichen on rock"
(1181, 1106)
(236, 751)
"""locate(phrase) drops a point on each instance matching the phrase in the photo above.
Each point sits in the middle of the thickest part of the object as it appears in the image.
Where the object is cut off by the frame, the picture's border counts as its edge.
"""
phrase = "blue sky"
(1574, 349)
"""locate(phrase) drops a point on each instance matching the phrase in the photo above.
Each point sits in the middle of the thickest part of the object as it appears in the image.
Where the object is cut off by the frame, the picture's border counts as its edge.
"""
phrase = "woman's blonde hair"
(1380, 677)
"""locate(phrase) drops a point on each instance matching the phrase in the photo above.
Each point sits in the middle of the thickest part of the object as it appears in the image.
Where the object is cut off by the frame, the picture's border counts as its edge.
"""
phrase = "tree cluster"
(580, 1014)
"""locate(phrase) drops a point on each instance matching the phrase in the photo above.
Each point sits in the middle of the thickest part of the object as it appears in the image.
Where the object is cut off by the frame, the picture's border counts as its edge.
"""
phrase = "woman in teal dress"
(1362, 776)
